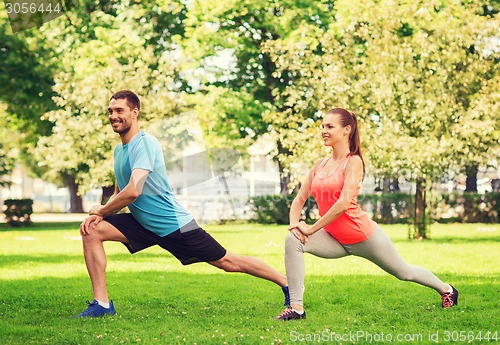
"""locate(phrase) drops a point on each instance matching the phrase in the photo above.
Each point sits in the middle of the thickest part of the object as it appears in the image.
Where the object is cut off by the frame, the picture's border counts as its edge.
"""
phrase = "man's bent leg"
(95, 257)
(250, 265)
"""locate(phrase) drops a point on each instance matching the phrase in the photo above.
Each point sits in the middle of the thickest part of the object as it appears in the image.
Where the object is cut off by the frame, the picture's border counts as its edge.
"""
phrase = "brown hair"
(132, 99)
(348, 118)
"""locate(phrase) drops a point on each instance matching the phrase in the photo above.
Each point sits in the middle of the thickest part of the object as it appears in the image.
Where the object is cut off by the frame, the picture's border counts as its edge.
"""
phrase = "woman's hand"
(302, 227)
(298, 235)
(300, 231)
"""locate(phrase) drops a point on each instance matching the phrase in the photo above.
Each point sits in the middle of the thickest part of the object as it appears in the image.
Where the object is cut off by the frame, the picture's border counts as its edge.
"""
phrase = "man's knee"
(229, 263)
(100, 232)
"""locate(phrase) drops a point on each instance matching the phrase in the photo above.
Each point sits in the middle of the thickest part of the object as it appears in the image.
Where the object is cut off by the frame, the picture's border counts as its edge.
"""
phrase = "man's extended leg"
(250, 265)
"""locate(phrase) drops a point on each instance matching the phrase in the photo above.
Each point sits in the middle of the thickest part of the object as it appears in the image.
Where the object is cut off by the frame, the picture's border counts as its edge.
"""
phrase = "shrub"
(275, 209)
(18, 211)
(391, 208)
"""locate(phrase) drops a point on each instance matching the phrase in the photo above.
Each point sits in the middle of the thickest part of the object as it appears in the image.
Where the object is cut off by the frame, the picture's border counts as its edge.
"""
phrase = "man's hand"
(89, 223)
(96, 210)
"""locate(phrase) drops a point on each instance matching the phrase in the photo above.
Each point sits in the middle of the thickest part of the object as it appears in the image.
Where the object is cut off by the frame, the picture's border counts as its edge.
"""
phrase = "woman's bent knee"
(292, 243)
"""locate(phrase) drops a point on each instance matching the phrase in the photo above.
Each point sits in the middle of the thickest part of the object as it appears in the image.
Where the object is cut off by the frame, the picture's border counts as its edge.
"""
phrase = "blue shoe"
(287, 296)
(96, 310)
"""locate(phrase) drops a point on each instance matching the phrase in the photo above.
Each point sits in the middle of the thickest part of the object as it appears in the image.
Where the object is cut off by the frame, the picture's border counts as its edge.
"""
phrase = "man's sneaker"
(450, 298)
(290, 314)
(96, 310)
(287, 296)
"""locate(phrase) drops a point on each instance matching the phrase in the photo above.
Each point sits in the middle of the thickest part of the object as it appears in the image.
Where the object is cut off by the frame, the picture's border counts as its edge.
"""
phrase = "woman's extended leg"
(380, 250)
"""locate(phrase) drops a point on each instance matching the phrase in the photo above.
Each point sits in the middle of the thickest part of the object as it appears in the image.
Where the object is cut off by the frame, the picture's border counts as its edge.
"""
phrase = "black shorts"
(189, 244)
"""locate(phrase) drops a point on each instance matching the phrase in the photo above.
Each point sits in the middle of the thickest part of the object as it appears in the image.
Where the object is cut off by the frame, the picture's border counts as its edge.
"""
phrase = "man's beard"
(123, 130)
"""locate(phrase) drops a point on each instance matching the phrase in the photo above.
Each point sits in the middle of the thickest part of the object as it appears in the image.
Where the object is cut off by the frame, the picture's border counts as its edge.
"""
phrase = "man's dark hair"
(132, 99)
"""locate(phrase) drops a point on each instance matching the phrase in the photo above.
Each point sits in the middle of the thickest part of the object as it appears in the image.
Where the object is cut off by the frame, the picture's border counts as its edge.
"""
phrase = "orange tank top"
(352, 226)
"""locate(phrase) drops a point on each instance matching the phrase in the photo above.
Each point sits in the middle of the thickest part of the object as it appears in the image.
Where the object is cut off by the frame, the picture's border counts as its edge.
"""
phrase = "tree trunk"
(470, 187)
(285, 177)
(76, 201)
(471, 181)
(106, 194)
(395, 185)
(421, 223)
(386, 205)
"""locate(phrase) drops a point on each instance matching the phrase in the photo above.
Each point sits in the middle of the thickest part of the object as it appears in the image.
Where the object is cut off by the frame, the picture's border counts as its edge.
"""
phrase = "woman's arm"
(353, 176)
(298, 203)
(304, 192)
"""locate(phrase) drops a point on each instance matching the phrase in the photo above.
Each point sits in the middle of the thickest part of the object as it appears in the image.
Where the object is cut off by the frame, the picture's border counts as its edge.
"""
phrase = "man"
(156, 217)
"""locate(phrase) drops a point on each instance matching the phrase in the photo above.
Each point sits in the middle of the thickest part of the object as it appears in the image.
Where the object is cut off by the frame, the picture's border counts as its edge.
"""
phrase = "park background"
(252, 79)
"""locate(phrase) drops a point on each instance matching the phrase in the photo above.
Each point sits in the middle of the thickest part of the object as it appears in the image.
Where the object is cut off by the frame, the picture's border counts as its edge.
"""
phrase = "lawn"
(44, 282)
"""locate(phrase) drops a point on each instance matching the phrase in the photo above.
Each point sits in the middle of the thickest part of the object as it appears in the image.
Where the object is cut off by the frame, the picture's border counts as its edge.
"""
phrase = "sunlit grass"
(159, 301)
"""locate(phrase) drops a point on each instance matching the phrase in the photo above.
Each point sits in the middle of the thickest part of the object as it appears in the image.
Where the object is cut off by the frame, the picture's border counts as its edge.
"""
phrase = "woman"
(343, 228)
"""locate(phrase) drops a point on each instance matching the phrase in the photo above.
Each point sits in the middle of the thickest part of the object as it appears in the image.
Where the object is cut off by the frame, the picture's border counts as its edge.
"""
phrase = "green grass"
(44, 282)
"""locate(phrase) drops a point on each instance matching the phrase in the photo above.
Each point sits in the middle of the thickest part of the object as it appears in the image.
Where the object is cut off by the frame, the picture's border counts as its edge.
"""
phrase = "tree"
(100, 53)
(7, 152)
(239, 87)
(25, 87)
(419, 80)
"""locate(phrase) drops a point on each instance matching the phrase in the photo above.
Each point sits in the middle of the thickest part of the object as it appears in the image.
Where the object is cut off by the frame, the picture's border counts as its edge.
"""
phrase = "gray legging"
(378, 249)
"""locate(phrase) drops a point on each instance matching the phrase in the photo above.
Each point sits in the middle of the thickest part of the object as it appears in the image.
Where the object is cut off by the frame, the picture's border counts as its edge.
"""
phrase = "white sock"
(103, 304)
(450, 289)
(298, 312)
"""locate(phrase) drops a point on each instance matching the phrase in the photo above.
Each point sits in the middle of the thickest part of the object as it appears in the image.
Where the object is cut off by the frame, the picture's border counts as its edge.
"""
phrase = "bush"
(275, 209)
(18, 211)
(388, 208)
(467, 207)
(391, 208)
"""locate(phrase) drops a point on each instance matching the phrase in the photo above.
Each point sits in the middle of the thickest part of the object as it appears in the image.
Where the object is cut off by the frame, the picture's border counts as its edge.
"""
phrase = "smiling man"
(156, 217)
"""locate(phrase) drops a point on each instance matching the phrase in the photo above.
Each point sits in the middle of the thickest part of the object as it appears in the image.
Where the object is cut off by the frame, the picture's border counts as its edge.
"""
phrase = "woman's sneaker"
(450, 299)
(96, 310)
(290, 314)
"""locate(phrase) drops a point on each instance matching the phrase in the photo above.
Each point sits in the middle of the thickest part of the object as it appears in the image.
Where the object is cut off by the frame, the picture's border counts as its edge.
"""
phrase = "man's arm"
(124, 197)
(115, 192)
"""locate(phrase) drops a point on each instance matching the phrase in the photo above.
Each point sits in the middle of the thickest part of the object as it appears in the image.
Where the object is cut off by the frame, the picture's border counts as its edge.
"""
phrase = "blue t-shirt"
(157, 209)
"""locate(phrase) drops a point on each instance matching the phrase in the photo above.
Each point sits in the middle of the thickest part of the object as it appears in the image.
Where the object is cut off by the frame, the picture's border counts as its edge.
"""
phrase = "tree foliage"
(7, 149)
(25, 86)
(423, 81)
(102, 51)
(237, 77)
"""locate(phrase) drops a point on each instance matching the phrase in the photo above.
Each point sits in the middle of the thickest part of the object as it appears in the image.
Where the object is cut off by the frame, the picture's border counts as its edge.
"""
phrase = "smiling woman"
(343, 228)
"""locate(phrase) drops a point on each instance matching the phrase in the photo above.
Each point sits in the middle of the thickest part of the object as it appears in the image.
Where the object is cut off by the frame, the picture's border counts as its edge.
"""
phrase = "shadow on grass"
(457, 239)
(452, 239)
(16, 260)
(50, 226)
(211, 228)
